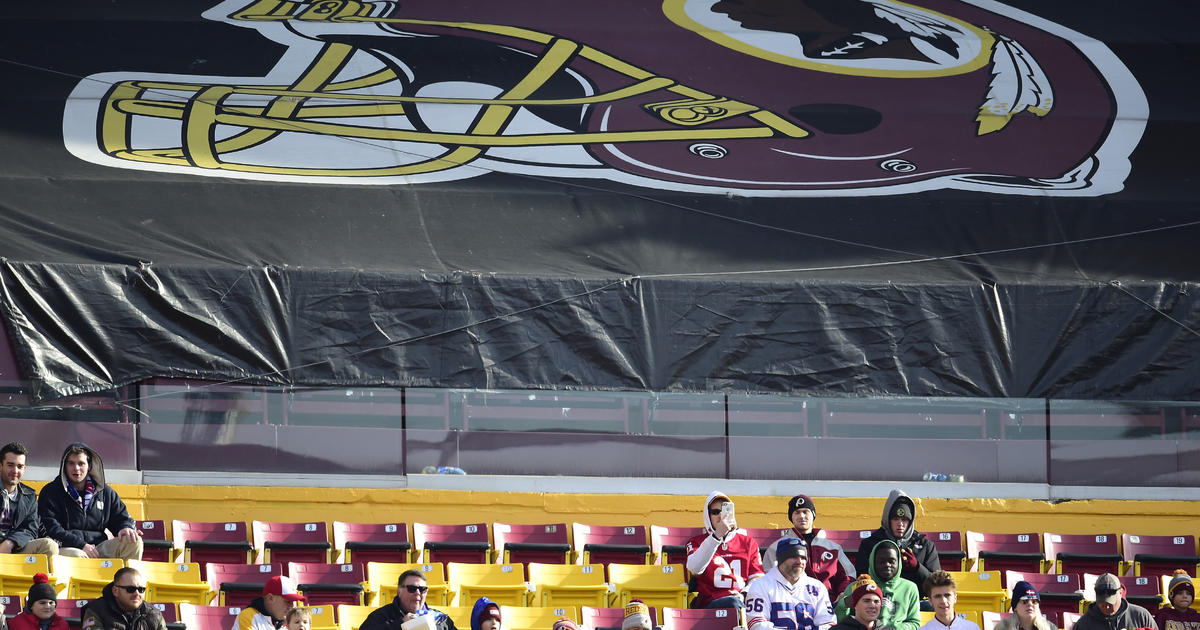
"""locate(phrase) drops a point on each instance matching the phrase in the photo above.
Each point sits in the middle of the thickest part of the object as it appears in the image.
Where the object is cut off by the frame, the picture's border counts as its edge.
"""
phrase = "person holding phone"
(724, 559)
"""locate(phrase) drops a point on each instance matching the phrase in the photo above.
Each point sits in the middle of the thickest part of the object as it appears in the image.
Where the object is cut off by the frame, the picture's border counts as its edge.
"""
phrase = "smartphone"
(727, 509)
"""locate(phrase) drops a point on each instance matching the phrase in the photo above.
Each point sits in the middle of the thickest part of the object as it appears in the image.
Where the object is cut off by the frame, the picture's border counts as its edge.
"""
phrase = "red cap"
(283, 586)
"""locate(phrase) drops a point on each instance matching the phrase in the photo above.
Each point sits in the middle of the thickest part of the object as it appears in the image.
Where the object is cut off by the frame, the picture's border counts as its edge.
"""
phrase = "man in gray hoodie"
(918, 556)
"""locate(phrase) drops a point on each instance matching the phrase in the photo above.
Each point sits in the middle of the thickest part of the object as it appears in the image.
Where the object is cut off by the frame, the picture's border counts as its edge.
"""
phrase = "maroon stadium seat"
(591, 618)
(372, 542)
(239, 584)
(208, 617)
(1005, 552)
(607, 544)
(329, 584)
(291, 542)
(452, 543)
(156, 546)
(950, 550)
(1160, 555)
(700, 618)
(669, 544)
(522, 544)
(205, 543)
(1082, 553)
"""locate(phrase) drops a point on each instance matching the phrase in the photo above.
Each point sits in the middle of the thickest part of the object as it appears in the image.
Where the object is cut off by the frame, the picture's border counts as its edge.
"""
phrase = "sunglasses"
(715, 511)
(413, 588)
(133, 589)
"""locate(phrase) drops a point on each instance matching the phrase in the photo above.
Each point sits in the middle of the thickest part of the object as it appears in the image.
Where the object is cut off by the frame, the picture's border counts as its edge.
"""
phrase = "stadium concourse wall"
(432, 505)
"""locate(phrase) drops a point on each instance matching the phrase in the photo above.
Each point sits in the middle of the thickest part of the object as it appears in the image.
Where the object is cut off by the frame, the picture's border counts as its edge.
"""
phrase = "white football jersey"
(774, 601)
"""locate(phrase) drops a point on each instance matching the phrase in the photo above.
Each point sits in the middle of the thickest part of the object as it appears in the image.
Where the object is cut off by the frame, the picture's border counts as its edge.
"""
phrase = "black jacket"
(105, 613)
(849, 623)
(389, 618)
(26, 524)
(912, 540)
(64, 521)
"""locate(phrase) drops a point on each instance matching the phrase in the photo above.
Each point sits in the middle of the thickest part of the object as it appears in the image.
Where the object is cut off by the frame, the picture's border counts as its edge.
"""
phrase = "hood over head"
(871, 566)
(896, 499)
(714, 495)
(481, 612)
(95, 464)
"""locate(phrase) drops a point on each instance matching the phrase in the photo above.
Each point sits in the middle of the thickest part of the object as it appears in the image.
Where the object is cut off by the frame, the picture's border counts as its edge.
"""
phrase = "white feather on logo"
(1018, 85)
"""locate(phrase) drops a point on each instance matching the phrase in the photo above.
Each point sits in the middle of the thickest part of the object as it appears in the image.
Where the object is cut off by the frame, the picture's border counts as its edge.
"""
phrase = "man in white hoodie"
(724, 559)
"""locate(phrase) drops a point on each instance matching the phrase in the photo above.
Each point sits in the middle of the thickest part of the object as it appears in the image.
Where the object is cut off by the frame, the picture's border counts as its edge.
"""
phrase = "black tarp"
(539, 274)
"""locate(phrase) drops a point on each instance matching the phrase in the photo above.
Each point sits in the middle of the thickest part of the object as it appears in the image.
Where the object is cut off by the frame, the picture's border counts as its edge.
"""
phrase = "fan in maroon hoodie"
(39, 608)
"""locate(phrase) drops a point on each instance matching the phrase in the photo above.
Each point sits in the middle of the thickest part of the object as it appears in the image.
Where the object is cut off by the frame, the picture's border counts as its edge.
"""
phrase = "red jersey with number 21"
(735, 562)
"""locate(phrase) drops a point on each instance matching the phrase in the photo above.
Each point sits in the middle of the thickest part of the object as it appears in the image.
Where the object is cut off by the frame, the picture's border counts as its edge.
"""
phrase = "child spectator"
(485, 615)
(298, 618)
(1179, 615)
(40, 604)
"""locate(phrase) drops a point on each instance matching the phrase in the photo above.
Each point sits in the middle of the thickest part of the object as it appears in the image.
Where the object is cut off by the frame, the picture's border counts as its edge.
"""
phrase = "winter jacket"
(390, 616)
(26, 524)
(827, 561)
(1012, 622)
(255, 617)
(66, 522)
(28, 621)
(1127, 616)
(912, 540)
(851, 623)
(105, 613)
(901, 602)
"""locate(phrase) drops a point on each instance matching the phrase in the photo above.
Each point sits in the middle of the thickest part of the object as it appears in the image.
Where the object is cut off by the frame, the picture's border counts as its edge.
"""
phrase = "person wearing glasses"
(724, 559)
(122, 605)
(1027, 611)
(269, 611)
(409, 604)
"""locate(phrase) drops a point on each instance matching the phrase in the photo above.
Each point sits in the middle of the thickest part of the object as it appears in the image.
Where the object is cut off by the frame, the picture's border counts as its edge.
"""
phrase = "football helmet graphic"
(746, 97)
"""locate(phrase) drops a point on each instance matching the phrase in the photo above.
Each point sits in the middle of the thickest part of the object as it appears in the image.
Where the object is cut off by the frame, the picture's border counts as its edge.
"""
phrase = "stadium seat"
(169, 612)
(239, 584)
(764, 536)
(173, 582)
(1069, 619)
(291, 542)
(460, 615)
(851, 540)
(567, 585)
(502, 583)
(1005, 552)
(979, 591)
(522, 544)
(950, 550)
(372, 542)
(1159, 555)
(207, 542)
(1082, 553)
(17, 571)
(383, 578)
(10, 605)
(351, 617)
(701, 619)
(530, 618)
(658, 585)
(452, 543)
(1142, 590)
(668, 545)
(1059, 592)
(85, 577)
(69, 609)
(591, 618)
(156, 545)
(329, 584)
(991, 618)
(606, 544)
(324, 617)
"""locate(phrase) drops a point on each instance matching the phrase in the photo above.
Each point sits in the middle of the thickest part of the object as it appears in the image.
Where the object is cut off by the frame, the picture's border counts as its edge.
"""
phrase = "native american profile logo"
(742, 97)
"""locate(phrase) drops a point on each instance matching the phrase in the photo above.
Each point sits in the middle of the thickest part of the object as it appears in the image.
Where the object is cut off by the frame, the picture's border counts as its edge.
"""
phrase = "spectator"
(564, 623)
(1027, 611)
(409, 604)
(827, 561)
(943, 594)
(899, 608)
(81, 512)
(919, 557)
(1111, 610)
(865, 604)
(269, 610)
(1178, 614)
(785, 597)
(637, 616)
(19, 522)
(485, 615)
(39, 611)
(122, 605)
(724, 559)
(298, 618)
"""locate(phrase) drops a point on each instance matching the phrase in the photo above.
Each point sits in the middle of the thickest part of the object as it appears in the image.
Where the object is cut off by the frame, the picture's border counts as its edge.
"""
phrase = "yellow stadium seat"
(177, 582)
(17, 571)
(85, 577)
(323, 617)
(351, 617)
(568, 585)
(533, 618)
(502, 583)
(659, 585)
(461, 615)
(382, 577)
(980, 591)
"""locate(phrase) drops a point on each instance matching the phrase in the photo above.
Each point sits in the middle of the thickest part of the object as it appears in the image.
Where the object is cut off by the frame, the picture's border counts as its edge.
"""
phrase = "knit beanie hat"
(1021, 590)
(564, 623)
(800, 501)
(637, 615)
(863, 586)
(1181, 580)
(40, 590)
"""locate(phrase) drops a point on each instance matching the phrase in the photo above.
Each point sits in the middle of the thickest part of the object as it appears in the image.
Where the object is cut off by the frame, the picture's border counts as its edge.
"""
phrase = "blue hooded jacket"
(477, 612)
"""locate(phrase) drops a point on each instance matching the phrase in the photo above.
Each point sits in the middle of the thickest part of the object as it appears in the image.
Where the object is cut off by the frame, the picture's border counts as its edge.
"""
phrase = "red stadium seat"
(329, 584)
(1159, 555)
(593, 618)
(851, 540)
(452, 543)
(69, 610)
(208, 617)
(239, 584)
(700, 619)
(206, 543)
(669, 544)
(608, 544)
(764, 536)
(291, 542)
(1082, 553)
(522, 544)
(372, 542)
(950, 550)
(1005, 552)
(156, 546)
(10, 605)
(1058, 591)
(1069, 619)
(170, 614)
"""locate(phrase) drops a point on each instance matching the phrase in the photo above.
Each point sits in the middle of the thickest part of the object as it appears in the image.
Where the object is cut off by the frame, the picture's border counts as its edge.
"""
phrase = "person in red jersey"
(724, 559)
